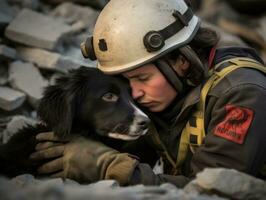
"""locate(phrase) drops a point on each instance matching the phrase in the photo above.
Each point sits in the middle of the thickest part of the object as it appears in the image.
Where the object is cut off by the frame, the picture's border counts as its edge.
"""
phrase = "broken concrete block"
(229, 183)
(27, 78)
(47, 60)
(7, 52)
(31, 4)
(7, 14)
(37, 30)
(11, 99)
(73, 13)
(76, 56)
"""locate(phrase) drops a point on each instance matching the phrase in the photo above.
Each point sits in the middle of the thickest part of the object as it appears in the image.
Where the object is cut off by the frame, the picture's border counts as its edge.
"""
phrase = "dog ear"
(56, 109)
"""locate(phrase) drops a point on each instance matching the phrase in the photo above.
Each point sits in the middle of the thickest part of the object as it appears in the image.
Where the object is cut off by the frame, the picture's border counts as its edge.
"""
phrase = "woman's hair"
(202, 43)
(204, 40)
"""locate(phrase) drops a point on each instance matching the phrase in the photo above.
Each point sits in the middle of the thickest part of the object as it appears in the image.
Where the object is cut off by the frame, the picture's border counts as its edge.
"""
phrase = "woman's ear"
(181, 65)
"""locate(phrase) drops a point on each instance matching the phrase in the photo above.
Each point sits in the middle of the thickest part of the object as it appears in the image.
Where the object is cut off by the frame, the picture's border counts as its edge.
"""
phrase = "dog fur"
(84, 102)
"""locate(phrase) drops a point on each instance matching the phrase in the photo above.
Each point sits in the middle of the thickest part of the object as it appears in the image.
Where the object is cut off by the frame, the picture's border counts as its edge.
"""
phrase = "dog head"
(86, 101)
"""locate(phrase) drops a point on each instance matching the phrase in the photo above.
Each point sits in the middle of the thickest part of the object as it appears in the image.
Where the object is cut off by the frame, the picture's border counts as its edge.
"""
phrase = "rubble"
(27, 78)
(7, 52)
(210, 184)
(37, 30)
(7, 13)
(39, 39)
(47, 60)
(228, 183)
(72, 13)
(10, 99)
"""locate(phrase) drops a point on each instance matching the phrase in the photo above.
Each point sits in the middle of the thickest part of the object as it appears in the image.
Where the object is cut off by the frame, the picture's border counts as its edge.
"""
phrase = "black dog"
(84, 101)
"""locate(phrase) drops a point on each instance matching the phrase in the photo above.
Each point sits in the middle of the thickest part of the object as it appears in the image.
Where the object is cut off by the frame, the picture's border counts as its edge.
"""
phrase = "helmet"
(130, 33)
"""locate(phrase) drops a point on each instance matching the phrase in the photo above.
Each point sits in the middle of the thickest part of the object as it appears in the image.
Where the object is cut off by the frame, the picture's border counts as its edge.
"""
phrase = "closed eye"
(110, 97)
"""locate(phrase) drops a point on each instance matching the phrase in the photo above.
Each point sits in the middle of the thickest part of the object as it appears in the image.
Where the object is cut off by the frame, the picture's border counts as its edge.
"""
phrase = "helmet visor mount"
(155, 40)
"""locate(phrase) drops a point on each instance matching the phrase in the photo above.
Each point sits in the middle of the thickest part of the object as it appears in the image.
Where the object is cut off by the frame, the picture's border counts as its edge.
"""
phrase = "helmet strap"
(197, 72)
(155, 40)
(176, 81)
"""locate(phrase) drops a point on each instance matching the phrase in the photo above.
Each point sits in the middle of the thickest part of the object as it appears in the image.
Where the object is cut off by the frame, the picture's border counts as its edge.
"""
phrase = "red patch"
(235, 125)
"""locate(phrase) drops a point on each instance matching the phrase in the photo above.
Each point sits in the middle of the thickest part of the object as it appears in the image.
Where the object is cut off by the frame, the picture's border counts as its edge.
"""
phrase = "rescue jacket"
(220, 124)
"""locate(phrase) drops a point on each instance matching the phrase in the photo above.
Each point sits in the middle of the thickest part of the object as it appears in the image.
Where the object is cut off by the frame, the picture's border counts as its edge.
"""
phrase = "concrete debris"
(37, 30)
(31, 4)
(46, 59)
(7, 52)
(228, 183)
(11, 99)
(73, 13)
(7, 14)
(28, 79)
(27, 187)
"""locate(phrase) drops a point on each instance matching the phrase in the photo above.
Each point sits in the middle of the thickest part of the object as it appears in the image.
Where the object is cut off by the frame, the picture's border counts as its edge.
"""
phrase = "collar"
(224, 53)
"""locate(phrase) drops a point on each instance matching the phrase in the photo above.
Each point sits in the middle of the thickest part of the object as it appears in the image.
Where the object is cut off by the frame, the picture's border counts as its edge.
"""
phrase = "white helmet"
(130, 33)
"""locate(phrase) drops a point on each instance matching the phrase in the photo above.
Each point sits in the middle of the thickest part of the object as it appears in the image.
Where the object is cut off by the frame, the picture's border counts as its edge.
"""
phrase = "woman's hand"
(82, 159)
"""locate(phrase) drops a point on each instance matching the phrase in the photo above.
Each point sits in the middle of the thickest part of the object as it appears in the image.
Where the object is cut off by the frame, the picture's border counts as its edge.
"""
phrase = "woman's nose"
(136, 91)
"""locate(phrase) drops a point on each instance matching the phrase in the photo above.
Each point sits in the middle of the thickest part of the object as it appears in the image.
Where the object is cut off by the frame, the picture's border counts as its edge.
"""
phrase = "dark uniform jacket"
(237, 104)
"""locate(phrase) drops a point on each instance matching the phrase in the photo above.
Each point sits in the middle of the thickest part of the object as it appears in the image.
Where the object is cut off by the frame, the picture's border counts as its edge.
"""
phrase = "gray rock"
(31, 4)
(73, 13)
(47, 60)
(16, 123)
(7, 14)
(74, 53)
(10, 99)
(7, 52)
(27, 78)
(229, 183)
(37, 30)
(26, 187)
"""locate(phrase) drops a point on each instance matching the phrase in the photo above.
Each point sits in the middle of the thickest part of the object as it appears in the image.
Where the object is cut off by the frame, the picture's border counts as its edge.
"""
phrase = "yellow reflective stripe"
(194, 130)
(183, 147)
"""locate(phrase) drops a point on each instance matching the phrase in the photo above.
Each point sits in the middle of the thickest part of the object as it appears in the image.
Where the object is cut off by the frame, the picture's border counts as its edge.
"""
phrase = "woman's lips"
(148, 104)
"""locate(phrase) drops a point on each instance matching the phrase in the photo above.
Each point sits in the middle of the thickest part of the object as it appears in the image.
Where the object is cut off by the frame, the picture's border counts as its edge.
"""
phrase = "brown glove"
(84, 160)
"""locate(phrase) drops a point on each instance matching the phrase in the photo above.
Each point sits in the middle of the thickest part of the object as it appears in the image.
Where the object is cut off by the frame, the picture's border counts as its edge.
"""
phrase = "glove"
(84, 160)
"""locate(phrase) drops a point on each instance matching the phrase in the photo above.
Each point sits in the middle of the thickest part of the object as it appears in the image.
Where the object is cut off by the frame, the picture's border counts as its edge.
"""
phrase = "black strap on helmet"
(170, 74)
(197, 71)
(155, 40)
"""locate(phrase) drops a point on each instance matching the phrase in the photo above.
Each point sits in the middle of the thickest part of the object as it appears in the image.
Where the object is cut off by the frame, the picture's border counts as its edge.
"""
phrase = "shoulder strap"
(194, 131)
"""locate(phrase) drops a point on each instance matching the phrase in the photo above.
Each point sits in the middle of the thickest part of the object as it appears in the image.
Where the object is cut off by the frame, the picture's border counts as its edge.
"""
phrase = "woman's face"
(150, 88)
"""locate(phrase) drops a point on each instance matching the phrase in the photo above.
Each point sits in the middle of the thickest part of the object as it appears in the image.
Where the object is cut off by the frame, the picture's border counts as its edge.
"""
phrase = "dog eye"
(110, 97)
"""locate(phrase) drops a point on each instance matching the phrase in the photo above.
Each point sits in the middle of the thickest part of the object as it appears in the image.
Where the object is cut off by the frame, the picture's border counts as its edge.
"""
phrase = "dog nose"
(143, 122)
